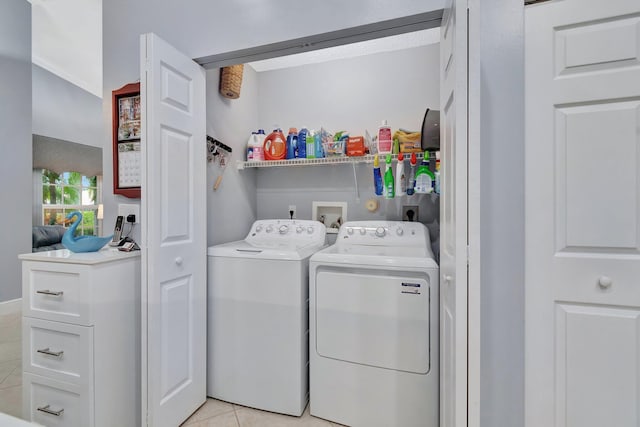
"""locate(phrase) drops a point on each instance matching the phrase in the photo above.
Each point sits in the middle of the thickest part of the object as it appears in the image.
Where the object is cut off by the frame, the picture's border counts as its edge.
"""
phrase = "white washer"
(258, 330)
(374, 299)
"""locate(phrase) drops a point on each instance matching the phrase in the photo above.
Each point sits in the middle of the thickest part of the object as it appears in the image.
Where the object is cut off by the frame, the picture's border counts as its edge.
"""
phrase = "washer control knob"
(380, 232)
(349, 230)
(399, 231)
(283, 229)
(269, 228)
(258, 228)
(310, 230)
(363, 231)
(299, 229)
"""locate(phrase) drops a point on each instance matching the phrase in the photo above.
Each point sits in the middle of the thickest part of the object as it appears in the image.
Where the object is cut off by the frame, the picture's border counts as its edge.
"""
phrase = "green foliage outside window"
(63, 193)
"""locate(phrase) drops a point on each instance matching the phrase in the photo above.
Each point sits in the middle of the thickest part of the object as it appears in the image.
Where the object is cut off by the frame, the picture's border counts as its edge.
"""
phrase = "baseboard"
(11, 306)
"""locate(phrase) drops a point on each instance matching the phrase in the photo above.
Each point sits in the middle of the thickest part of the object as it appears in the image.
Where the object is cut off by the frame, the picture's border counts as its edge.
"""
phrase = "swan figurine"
(82, 243)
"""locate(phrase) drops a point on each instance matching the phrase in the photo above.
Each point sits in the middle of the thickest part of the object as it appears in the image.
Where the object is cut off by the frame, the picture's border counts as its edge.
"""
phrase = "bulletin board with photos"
(126, 140)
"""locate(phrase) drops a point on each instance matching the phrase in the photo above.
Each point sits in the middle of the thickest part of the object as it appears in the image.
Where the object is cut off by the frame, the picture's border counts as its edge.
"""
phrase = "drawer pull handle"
(51, 353)
(52, 293)
(46, 410)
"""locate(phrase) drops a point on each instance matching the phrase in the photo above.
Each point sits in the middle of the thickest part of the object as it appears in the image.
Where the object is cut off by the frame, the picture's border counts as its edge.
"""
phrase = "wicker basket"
(231, 81)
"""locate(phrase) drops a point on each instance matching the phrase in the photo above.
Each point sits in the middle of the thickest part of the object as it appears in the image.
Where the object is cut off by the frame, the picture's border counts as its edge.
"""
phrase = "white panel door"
(174, 234)
(453, 217)
(582, 195)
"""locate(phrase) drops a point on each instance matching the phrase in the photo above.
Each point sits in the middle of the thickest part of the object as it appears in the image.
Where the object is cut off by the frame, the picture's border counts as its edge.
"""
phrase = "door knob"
(179, 260)
(448, 279)
(605, 282)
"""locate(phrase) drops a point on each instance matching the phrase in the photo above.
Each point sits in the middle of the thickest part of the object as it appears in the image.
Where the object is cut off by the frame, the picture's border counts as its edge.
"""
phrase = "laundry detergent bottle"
(302, 143)
(275, 145)
(292, 142)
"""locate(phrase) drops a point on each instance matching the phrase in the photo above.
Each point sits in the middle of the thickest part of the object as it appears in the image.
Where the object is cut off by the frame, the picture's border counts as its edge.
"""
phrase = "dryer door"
(374, 318)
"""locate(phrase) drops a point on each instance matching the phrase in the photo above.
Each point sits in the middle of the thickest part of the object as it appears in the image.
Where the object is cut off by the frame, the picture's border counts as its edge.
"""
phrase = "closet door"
(453, 205)
(582, 188)
(174, 234)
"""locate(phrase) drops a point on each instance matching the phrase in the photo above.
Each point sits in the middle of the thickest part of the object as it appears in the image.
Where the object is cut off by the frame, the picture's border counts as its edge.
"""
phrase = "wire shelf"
(313, 162)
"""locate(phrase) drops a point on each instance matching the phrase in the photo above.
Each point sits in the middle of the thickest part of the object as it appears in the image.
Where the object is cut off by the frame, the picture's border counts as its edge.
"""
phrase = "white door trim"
(474, 284)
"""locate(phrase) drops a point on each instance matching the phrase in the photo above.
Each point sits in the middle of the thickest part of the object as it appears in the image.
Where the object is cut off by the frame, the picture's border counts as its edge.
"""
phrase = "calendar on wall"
(126, 141)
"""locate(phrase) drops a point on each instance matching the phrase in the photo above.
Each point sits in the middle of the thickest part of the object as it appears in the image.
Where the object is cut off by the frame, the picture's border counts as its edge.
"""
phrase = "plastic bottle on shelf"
(384, 138)
(292, 142)
(258, 148)
(401, 183)
(302, 146)
(311, 146)
(254, 147)
(250, 147)
(275, 145)
(412, 175)
(377, 176)
(389, 184)
(424, 176)
(317, 142)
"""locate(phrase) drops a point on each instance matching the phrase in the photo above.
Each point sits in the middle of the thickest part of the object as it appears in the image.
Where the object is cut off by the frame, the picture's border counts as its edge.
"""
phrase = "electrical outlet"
(291, 213)
(410, 213)
(129, 209)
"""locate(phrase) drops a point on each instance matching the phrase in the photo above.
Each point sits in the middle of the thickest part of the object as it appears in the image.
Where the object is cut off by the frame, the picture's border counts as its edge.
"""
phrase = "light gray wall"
(355, 95)
(231, 122)
(64, 111)
(15, 141)
(502, 213)
(201, 27)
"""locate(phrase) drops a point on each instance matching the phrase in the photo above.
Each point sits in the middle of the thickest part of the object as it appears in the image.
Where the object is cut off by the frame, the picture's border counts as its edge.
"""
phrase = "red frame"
(130, 89)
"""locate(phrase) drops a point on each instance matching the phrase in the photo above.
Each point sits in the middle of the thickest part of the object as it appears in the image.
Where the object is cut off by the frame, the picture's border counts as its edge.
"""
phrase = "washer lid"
(378, 256)
(266, 250)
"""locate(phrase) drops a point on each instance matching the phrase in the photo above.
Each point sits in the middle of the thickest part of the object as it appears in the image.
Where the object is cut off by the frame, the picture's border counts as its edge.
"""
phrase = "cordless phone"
(117, 231)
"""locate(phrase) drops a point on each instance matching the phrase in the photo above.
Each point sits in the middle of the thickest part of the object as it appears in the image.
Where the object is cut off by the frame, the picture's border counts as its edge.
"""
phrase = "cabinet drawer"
(58, 350)
(56, 291)
(56, 403)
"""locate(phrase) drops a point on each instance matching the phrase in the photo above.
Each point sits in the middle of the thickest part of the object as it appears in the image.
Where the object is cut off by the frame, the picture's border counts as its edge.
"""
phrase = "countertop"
(106, 254)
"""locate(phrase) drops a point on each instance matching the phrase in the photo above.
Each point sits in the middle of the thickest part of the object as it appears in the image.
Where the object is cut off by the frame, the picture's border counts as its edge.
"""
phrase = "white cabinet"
(80, 338)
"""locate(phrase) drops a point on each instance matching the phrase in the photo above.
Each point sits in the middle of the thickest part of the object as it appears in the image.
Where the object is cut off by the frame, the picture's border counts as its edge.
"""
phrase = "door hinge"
(467, 255)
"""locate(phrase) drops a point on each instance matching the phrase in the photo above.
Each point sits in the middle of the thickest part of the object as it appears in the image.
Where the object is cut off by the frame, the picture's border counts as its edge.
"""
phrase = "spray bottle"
(389, 187)
(412, 175)
(377, 176)
(424, 176)
(401, 183)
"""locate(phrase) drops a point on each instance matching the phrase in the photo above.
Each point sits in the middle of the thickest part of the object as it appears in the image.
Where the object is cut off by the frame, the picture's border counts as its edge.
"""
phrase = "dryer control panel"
(387, 233)
(296, 232)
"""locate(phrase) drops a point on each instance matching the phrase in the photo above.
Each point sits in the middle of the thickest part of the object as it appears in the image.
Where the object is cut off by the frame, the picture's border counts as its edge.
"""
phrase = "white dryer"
(374, 299)
(257, 304)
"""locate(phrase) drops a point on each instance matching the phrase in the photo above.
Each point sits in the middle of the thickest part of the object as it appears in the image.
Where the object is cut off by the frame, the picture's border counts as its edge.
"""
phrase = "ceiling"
(67, 40)
(385, 44)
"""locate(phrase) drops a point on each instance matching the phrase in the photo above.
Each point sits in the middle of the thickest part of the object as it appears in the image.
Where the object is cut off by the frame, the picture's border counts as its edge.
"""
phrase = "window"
(63, 193)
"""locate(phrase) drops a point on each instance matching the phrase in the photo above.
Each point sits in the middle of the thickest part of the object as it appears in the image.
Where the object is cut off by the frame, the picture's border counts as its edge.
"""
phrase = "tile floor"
(11, 364)
(214, 413)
